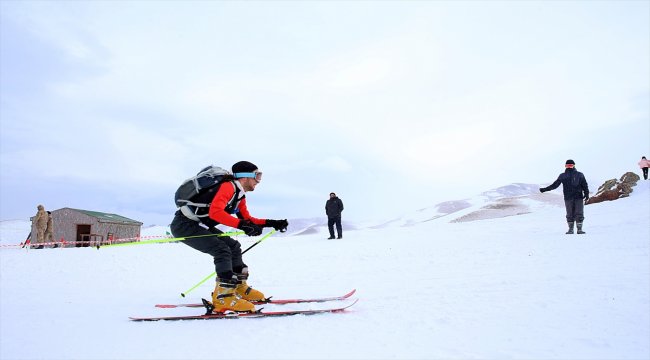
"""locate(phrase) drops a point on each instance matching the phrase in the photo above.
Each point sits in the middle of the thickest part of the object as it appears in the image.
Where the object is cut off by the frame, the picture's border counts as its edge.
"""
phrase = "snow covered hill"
(497, 287)
(513, 199)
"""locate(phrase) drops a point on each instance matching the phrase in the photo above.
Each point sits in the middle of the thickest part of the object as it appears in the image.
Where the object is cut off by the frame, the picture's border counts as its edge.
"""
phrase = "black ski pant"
(645, 173)
(225, 250)
(331, 221)
(575, 210)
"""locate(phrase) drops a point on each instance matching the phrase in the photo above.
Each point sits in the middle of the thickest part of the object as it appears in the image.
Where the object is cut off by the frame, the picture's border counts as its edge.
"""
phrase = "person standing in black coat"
(333, 209)
(576, 193)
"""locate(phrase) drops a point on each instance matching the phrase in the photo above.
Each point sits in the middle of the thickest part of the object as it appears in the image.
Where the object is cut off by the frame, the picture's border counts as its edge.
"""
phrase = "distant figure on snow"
(49, 230)
(333, 209)
(576, 192)
(41, 225)
(644, 164)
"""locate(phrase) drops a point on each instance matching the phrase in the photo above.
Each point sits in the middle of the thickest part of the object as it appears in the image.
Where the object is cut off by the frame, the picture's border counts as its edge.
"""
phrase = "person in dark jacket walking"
(333, 209)
(576, 193)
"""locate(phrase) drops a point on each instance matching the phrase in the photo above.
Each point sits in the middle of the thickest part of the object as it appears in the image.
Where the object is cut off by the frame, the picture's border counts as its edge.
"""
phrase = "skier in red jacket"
(227, 201)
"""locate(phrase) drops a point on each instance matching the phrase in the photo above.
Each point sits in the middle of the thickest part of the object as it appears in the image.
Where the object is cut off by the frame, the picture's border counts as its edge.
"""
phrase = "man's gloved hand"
(586, 197)
(279, 225)
(249, 228)
(542, 190)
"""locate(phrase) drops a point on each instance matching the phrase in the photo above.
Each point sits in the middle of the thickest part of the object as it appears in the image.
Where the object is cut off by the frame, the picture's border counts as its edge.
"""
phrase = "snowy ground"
(503, 287)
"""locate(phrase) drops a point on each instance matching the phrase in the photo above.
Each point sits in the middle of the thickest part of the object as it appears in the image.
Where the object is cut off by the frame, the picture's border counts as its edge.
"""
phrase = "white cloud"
(157, 90)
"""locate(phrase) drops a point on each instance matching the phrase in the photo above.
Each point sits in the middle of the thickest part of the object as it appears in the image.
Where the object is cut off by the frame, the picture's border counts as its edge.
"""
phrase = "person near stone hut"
(576, 193)
(49, 231)
(333, 209)
(644, 164)
(41, 225)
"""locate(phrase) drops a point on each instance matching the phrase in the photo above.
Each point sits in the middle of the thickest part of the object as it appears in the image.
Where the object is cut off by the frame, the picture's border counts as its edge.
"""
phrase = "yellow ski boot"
(246, 292)
(225, 299)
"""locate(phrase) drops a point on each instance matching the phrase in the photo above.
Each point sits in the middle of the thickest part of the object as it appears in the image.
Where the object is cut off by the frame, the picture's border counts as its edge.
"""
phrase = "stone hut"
(78, 228)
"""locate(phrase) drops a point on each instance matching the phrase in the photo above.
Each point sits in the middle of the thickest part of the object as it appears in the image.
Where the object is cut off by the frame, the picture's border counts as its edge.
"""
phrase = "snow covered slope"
(502, 287)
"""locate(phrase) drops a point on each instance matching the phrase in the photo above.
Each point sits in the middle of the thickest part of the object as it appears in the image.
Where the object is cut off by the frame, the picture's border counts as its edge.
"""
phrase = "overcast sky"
(110, 105)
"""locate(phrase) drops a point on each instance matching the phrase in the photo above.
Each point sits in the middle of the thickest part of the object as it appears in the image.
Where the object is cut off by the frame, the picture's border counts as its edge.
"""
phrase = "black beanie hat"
(243, 167)
(569, 162)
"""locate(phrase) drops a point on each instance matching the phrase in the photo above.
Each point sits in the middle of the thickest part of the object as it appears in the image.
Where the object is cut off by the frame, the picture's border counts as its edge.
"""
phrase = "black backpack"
(190, 197)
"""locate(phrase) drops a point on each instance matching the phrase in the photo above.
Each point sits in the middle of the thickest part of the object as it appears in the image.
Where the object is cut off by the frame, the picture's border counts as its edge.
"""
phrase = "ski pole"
(259, 241)
(215, 273)
(159, 241)
(28, 240)
(199, 284)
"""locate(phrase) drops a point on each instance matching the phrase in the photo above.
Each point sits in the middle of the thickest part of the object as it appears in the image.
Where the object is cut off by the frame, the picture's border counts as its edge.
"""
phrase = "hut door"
(82, 230)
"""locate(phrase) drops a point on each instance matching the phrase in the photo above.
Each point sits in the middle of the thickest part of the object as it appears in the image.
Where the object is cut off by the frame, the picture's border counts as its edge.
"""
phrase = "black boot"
(570, 227)
(580, 228)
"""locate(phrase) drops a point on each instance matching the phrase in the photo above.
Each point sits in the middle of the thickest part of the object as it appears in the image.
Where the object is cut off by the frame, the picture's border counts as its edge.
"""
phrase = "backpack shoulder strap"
(237, 196)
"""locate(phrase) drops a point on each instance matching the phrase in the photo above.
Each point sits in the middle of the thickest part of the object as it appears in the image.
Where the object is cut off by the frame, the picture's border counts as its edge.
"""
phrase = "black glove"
(249, 228)
(542, 190)
(279, 225)
(586, 197)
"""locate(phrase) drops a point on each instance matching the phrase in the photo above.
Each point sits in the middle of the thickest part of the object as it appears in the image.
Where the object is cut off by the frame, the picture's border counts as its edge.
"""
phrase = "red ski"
(257, 314)
(270, 301)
